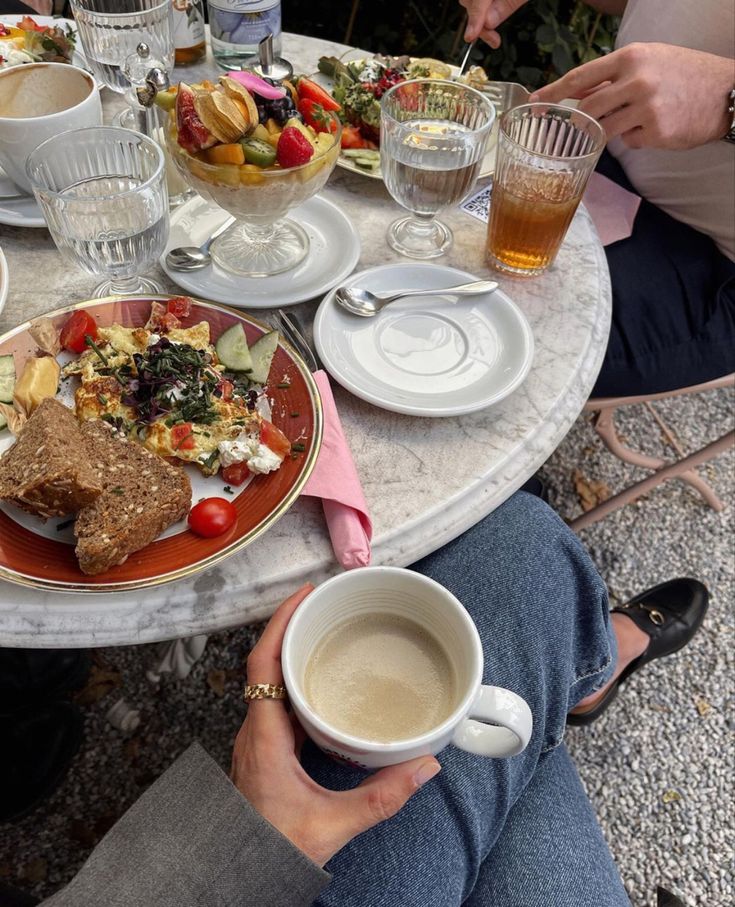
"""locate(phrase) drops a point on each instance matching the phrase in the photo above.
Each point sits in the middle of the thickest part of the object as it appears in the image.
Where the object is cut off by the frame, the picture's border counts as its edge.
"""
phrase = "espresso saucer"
(334, 250)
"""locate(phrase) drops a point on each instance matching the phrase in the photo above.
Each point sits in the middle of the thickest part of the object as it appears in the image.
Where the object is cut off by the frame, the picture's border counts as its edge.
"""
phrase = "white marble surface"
(426, 481)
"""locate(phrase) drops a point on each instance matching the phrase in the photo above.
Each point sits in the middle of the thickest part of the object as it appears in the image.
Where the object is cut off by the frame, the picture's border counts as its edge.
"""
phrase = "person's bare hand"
(484, 16)
(653, 95)
(267, 771)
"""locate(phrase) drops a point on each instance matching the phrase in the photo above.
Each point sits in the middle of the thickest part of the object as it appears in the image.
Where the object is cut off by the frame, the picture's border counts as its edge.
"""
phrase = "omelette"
(167, 391)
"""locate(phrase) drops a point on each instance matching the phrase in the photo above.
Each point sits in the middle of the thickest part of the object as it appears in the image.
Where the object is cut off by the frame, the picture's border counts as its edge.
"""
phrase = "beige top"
(695, 186)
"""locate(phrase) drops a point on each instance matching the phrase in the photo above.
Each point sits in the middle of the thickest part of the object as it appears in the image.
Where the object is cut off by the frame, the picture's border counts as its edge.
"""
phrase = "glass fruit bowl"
(262, 241)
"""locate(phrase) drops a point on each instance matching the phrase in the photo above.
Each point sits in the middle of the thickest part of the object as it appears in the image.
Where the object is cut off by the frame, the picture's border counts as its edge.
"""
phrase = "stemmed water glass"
(433, 135)
(103, 193)
(109, 36)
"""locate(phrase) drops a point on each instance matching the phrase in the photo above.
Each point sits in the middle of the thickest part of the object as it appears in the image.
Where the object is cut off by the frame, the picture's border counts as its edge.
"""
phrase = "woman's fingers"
(264, 662)
(382, 794)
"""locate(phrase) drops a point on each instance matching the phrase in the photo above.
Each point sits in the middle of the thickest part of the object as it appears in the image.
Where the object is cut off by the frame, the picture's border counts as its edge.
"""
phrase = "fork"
(292, 329)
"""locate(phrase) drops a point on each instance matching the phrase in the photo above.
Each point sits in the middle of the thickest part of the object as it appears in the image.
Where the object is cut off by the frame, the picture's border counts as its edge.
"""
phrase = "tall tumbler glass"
(546, 155)
(111, 30)
(433, 135)
(103, 193)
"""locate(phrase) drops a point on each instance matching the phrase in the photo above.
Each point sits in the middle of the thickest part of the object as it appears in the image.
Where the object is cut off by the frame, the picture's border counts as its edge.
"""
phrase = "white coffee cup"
(487, 721)
(37, 101)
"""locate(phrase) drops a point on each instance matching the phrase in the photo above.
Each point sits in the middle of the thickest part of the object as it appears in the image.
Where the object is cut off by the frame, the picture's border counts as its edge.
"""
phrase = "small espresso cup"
(486, 720)
(37, 101)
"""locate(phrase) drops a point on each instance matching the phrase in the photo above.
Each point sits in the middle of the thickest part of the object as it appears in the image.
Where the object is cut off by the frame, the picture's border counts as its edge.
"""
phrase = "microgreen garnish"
(92, 345)
(298, 447)
(228, 489)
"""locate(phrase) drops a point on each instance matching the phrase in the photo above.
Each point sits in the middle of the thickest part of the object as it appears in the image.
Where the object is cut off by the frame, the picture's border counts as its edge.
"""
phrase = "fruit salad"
(244, 143)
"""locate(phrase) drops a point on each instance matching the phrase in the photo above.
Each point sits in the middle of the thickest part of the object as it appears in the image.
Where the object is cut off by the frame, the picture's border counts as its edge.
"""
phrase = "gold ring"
(263, 691)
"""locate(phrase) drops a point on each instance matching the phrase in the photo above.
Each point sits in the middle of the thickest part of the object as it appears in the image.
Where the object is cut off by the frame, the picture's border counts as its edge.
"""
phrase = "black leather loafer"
(670, 613)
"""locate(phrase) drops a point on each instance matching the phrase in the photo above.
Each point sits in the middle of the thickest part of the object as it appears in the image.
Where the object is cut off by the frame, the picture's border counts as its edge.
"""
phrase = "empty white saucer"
(334, 250)
(432, 356)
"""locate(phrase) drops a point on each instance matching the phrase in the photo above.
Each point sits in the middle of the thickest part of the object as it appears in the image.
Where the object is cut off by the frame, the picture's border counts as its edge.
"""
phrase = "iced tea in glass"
(546, 155)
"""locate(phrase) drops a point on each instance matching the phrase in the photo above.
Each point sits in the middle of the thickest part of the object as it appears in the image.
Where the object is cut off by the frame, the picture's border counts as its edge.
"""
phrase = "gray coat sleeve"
(192, 840)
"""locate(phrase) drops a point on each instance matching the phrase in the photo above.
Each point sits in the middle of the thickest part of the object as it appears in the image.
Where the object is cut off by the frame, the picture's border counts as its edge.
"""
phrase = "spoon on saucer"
(367, 304)
(191, 258)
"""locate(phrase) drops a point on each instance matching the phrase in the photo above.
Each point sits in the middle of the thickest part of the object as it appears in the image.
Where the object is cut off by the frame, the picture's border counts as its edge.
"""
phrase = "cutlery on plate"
(191, 258)
(366, 304)
(293, 330)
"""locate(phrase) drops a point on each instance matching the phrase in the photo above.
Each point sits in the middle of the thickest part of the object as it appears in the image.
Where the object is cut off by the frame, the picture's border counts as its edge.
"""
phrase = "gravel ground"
(658, 766)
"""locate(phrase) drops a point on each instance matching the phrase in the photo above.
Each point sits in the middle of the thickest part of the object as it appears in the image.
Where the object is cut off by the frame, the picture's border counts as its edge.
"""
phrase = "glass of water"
(433, 135)
(103, 193)
(111, 31)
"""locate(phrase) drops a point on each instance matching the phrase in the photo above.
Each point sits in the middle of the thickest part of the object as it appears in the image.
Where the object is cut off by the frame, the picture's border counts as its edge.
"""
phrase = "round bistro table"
(426, 480)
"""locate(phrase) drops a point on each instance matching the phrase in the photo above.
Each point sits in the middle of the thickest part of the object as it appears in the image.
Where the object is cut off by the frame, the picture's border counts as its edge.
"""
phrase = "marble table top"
(426, 480)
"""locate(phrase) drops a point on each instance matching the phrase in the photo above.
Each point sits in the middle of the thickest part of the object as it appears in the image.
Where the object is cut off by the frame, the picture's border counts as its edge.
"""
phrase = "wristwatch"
(730, 135)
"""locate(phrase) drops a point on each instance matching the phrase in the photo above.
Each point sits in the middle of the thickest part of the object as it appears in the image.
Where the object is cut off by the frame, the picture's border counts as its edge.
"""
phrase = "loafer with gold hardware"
(670, 613)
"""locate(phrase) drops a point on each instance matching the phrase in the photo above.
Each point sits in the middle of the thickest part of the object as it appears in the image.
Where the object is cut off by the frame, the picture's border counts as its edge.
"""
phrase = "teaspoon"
(190, 258)
(367, 304)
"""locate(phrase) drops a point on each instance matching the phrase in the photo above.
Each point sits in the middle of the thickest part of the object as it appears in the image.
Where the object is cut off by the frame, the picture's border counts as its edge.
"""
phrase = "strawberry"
(293, 148)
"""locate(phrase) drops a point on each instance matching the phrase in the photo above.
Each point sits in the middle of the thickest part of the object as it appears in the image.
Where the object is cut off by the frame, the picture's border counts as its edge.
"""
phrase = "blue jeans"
(494, 832)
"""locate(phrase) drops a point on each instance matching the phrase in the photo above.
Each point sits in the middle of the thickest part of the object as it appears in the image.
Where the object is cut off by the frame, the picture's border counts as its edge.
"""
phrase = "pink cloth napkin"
(336, 482)
(612, 208)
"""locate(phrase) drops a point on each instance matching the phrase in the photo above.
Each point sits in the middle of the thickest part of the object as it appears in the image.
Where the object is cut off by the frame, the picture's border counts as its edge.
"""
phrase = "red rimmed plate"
(38, 554)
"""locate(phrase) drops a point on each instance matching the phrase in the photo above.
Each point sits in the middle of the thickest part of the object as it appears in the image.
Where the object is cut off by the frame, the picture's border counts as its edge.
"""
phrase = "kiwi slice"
(258, 152)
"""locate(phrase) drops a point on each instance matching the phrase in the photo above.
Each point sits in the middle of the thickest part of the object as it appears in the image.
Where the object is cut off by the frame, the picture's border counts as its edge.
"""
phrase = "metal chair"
(684, 468)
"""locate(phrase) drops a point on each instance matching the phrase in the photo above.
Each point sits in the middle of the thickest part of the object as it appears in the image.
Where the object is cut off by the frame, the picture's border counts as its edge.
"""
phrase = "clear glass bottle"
(189, 36)
(236, 28)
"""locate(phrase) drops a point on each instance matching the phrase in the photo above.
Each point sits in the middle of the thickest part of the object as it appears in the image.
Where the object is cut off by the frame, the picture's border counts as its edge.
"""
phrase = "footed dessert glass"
(262, 241)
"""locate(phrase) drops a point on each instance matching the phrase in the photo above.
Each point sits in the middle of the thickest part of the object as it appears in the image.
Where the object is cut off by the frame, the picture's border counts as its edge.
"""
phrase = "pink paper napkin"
(336, 482)
(612, 208)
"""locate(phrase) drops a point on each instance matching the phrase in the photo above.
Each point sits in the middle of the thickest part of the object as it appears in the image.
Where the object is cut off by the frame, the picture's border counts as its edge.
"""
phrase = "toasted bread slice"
(142, 495)
(46, 471)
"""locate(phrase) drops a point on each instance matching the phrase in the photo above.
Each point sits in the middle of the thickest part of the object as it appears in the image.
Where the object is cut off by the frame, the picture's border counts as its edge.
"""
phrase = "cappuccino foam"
(382, 678)
(34, 91)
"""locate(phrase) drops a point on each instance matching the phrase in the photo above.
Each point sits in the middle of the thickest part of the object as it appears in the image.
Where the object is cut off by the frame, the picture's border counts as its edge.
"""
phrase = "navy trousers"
(673, 305)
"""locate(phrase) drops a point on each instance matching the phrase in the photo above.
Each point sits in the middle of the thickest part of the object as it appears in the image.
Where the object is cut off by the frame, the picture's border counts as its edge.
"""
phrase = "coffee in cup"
(383, 664)
(37, 101)
(381, 677)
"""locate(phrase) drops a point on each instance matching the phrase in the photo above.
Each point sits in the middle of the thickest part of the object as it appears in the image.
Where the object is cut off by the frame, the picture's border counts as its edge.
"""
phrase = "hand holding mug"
(267, 771)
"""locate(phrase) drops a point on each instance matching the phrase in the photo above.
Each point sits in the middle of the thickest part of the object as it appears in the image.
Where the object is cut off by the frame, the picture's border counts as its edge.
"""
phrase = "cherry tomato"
(182, 436)
(77, 326)
(313, 92)
(275, 439)
(212, 517)
(316, 116)
(179, 306)
(235, 473)
(353, 138)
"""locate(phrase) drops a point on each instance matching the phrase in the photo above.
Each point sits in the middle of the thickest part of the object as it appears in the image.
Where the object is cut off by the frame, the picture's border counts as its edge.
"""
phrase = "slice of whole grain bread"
(46, 471)
(142, 495)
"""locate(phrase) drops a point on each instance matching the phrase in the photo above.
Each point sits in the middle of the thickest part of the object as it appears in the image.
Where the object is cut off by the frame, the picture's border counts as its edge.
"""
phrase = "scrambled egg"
(108, 373)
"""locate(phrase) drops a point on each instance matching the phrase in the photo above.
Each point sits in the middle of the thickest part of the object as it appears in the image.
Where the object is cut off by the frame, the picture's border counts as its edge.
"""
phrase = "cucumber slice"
(232, 350)
(7, 379)
(258, 152)
(366, 163)
(262, 352)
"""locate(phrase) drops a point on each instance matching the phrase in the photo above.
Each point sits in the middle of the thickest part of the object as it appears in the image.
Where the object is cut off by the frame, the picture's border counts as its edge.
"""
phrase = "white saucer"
(21, 211)
(426, 357)
(4, 280)
(333, 254)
